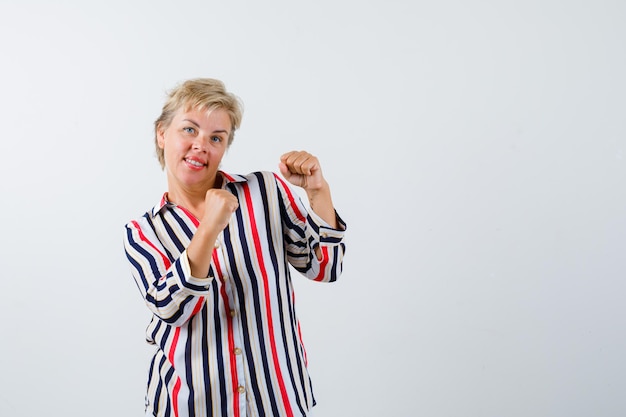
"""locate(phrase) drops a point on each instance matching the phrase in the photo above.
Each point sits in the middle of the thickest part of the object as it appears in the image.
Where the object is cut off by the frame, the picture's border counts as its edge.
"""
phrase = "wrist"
(322, 190)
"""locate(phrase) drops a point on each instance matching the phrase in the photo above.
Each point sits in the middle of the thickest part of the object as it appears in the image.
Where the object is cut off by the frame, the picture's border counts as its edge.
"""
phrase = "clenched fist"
(219, 206)
(302, 169)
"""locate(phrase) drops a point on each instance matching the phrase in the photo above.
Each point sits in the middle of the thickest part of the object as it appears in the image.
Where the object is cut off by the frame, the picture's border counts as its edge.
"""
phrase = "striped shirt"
(230, 344)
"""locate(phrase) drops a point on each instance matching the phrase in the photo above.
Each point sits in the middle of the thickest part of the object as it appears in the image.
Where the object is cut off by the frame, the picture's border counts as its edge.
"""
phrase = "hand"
(302, 169)
(219, 206)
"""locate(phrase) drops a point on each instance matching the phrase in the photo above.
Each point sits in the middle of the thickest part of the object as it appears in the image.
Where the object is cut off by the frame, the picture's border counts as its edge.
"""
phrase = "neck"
(191, 198)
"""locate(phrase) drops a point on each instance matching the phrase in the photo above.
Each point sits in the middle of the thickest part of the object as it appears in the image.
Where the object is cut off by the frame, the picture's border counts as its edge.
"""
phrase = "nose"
(199, 144)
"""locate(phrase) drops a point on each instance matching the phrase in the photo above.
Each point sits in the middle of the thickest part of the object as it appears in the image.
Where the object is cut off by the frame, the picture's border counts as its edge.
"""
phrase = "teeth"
(194, 163)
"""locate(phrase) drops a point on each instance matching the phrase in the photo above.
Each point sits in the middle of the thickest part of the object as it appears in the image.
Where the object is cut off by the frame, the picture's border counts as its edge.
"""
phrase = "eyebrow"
(197, 125)
(191, 121)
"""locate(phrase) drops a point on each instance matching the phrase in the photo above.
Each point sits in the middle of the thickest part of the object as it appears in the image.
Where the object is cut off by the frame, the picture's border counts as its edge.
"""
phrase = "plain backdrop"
(476, 150)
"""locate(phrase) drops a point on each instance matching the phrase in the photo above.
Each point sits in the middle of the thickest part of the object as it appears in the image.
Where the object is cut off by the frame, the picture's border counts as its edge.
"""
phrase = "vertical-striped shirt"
(230, 344)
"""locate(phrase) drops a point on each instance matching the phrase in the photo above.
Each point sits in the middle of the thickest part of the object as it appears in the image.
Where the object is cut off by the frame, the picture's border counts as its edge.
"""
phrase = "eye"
(189, 130)
(216, 139)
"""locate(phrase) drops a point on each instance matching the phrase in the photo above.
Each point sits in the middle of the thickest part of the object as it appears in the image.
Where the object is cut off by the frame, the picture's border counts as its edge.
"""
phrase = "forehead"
(204, 115)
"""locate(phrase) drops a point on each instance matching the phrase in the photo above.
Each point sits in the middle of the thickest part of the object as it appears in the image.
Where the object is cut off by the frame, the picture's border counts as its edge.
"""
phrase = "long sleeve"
(166, 284)
(304, 231)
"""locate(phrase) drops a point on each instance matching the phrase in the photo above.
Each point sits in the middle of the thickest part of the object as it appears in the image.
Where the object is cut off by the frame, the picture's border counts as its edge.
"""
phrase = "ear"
(160, 136)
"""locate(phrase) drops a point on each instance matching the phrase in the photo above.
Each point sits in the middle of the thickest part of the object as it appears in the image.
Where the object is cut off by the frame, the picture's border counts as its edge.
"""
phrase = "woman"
(211, 261)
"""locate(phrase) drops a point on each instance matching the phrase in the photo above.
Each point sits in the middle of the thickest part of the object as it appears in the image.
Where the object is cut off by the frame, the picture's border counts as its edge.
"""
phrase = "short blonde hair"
(202, 94)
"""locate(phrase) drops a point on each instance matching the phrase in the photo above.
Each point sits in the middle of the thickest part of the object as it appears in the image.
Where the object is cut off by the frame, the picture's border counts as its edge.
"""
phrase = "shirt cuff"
(323, 232)
(195, 286)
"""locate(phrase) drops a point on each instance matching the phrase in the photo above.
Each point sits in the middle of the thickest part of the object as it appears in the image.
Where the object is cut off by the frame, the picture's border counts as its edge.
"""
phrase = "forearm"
(321, 203)
(200, 250)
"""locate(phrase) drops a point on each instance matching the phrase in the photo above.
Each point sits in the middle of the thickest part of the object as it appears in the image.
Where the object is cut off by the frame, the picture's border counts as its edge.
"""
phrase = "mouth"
(195, 163)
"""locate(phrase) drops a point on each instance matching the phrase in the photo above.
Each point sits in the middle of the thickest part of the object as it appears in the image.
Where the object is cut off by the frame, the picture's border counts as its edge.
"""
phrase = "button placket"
(235, 318)
(238, 352)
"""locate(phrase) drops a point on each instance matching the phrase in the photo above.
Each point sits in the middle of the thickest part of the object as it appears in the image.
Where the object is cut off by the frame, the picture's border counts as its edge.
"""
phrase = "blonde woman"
(212, 261)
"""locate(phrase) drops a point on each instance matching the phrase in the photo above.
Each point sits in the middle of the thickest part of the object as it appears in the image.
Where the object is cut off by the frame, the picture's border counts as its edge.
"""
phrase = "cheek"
(170, 154)
(174, 146)
(218, 155)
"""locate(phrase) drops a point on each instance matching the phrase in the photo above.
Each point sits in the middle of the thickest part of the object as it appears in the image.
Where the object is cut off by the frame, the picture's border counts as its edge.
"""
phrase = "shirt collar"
(227, 178)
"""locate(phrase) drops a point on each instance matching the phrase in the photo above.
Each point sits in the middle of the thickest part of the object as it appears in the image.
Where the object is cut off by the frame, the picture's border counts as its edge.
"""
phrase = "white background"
(476, 149)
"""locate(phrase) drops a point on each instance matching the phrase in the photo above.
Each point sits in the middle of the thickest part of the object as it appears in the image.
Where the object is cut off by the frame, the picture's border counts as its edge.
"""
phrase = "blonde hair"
(205, 94)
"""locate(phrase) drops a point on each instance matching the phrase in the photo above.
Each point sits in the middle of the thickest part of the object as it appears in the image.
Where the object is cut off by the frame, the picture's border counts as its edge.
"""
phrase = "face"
(193, 145)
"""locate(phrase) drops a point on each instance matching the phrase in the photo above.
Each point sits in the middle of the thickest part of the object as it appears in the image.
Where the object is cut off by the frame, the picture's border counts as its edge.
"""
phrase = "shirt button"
(217, 244)
(233, 313)
(241, 389)
(237, 351)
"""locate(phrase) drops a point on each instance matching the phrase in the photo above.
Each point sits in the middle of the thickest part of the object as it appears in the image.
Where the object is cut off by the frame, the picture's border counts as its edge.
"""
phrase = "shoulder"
(145, 220)
(139, 223)
(142, 223)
